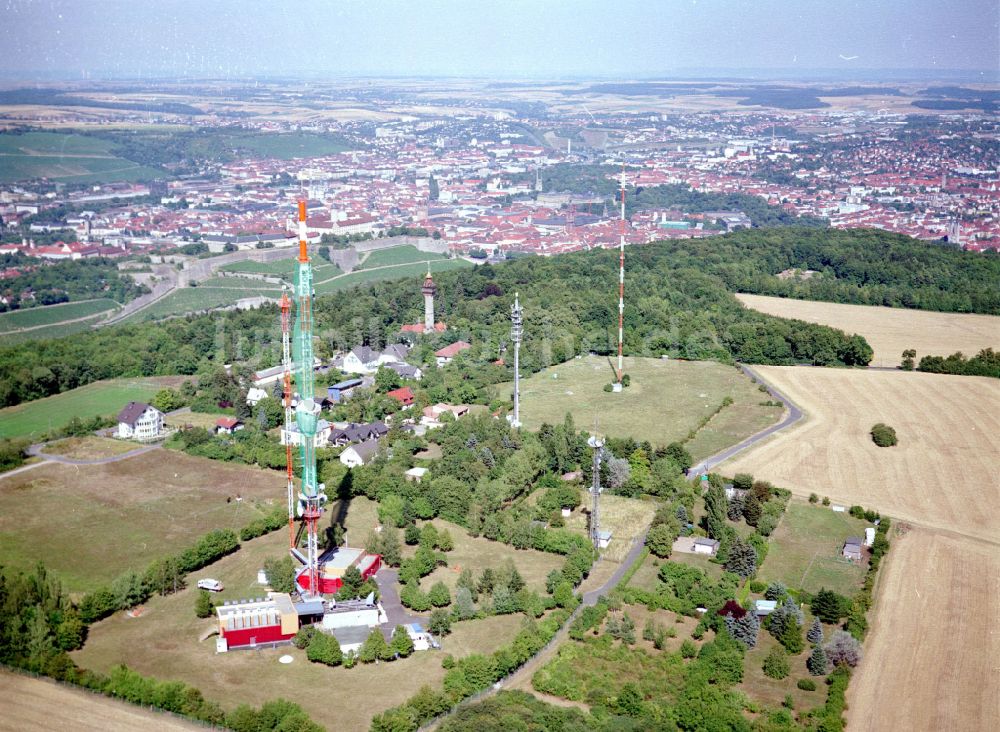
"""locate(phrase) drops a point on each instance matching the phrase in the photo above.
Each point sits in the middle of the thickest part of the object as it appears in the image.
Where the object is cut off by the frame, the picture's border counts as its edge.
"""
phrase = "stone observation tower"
(429, 290)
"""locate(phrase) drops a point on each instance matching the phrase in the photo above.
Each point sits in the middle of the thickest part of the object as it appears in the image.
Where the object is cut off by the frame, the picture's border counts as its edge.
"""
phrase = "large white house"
(360, 454)
(366, 360)
(254, 395)
(293, 436)
(139, 421)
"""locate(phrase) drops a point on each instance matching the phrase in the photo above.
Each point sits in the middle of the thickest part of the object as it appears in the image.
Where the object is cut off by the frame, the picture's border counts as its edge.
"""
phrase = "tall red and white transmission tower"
(621, 285)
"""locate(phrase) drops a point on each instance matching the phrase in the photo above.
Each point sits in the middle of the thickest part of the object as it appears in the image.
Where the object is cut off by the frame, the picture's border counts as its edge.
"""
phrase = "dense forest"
(761, 213)
(861, 266)
(65, 281)
(679, 303)
(600, 180)
(984, 363)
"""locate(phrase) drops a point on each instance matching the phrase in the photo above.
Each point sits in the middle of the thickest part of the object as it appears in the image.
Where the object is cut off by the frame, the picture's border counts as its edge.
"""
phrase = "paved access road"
(793, 415)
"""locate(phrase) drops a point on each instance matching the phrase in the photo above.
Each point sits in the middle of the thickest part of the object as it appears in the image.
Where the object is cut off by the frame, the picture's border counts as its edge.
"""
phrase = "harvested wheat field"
(44, 704)
(942, 474)
(931, 656)
(890, 331)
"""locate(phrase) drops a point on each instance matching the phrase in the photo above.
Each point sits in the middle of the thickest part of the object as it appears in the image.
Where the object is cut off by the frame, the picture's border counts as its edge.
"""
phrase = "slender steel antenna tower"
(621, 285)
(516, 332)
(596, 444)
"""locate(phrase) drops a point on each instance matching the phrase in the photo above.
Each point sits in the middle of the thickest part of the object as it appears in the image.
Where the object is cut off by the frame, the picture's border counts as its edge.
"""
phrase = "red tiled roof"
(404, 395)
(453, 350)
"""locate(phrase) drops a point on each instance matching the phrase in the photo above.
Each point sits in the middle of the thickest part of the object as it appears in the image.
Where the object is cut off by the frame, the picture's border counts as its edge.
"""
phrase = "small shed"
(422, 640)
(342, 389)
(852, 549)
(763, 608)
(603, 538)
(415, 474)
(706, 546)
(869, 536)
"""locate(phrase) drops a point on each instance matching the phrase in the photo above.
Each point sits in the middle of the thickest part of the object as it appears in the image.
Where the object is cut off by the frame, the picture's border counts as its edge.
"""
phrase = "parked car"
(212, 585)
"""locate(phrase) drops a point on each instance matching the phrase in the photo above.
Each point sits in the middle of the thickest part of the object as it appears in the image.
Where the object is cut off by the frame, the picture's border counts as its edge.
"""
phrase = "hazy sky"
(504, 38)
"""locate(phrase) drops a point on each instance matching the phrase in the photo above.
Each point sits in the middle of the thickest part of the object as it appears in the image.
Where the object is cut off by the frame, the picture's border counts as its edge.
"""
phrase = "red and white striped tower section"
(286, 362)
(621, 284)
(311, 491)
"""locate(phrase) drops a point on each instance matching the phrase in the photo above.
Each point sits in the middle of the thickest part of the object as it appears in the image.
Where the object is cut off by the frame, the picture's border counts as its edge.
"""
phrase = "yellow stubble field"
(942, 474)
(931, 655)
(890, 331)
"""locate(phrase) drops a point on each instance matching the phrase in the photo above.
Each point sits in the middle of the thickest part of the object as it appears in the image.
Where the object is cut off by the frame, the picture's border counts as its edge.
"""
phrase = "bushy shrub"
(843, 649)
(883, 435)
(304, 636)
(324, 649)
(688, 649)
(203, 606)
(806, 684)
(776, 664)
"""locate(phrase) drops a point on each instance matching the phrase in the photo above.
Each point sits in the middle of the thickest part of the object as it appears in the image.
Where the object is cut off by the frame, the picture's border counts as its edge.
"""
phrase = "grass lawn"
(280, 268)
(89, 523)
(88, 448)
(66, 156)
(647, 576)
(626, 518)
(59, 143)
(806, 548)
(52, 314)
(399, 255)
(476, 553)
(59, 330)
(204, 297)
(362, 276)
(100, 398)
(163, 642)
(288, 145)
(772, 692)
(714, 571)
(194, 419)
(667, 399)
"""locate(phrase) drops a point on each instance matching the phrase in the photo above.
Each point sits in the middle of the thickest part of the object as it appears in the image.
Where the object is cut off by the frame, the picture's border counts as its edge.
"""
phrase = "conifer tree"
(815, 634)
(791, 637)
(742, 558)
(817, 662)
(744, 629)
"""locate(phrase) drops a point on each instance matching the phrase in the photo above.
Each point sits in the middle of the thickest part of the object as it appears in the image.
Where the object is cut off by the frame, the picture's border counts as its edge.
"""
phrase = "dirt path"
(36, 451)
(45, 458)
(37, 704)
